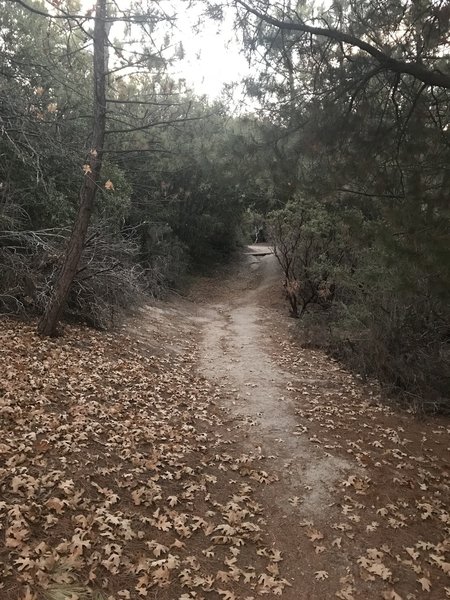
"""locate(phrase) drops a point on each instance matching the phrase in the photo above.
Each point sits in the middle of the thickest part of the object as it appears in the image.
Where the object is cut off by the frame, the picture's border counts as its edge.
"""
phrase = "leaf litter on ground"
(116, 480)
(394, 509)
(120, 478)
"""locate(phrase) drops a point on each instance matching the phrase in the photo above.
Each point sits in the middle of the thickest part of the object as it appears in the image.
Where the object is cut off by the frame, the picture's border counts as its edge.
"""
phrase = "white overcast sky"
(212, 52)
(213, 55)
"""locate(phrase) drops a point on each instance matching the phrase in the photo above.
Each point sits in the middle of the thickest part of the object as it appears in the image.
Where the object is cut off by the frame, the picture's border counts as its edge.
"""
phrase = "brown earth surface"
(202, 453)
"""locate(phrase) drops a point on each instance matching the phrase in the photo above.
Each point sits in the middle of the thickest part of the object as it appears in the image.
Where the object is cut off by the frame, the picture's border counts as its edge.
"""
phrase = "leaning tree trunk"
(92, 168)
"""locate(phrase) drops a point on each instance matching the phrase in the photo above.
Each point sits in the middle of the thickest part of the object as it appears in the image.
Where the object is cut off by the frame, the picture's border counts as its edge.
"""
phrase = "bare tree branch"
(418, 71)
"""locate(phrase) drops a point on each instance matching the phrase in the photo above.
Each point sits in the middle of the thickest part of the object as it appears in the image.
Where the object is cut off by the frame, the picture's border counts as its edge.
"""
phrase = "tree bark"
(49, 321)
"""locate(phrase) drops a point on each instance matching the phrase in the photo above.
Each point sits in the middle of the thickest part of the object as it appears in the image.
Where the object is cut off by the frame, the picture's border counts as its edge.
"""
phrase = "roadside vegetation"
(345, 160)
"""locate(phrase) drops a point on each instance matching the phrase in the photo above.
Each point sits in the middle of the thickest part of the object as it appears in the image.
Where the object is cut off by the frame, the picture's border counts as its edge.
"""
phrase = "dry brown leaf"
(425, 583)
(391, 595)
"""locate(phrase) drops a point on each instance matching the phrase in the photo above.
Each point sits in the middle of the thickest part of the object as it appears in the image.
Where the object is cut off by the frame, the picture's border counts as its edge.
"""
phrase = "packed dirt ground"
(202, 453)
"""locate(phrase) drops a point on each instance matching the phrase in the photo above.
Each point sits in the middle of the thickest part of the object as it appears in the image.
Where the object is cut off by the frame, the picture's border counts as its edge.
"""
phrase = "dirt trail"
(203, 454)
(234, 352)
(358, 493)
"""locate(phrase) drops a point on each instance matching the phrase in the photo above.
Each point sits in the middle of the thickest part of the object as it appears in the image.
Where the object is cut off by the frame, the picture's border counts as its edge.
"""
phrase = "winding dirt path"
(358, 500)
(235, 353)
(204, 454)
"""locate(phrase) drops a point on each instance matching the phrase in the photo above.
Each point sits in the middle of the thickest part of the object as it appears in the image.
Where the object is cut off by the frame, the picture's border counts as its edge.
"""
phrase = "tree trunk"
(49, 321)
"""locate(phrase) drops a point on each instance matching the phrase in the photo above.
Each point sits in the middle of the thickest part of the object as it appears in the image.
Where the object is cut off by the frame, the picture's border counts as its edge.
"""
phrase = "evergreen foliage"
(346, 157)
(168, 197)
(360, 168)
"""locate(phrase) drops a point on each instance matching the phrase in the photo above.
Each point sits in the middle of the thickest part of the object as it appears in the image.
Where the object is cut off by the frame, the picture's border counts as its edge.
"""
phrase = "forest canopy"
(344, 158)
